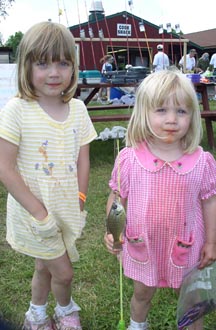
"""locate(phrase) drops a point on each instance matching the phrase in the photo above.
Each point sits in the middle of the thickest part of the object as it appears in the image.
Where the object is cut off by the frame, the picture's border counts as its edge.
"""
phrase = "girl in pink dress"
(168, 186)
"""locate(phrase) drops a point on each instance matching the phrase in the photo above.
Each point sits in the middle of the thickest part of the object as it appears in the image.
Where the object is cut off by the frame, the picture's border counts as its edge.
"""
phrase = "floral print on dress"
(46, 166)
(70, 167)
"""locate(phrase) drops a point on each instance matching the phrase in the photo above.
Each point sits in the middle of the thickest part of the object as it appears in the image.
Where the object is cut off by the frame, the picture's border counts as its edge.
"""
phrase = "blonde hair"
(152, 93)
(50, 42)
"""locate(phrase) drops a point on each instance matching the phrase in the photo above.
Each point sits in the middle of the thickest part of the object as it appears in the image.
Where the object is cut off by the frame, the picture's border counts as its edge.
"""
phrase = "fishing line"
(91, 36)
(81, 39)
(169, 30)
(180, 43)
(142, 29)
(161, 29)
(150, 55)
(110, 40)
(118, 149)
(163, 43)
(130, 3)
(59, 10)
(121, 324)
(126, 18)
(172, 55)
(65, 11)
(98, 27)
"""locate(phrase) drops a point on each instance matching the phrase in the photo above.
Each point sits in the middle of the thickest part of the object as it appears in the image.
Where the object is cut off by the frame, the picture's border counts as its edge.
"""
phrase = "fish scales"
(116, 223)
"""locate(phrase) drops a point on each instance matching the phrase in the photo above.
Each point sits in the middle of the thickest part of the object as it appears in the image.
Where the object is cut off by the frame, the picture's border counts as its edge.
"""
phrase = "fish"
(115, 223)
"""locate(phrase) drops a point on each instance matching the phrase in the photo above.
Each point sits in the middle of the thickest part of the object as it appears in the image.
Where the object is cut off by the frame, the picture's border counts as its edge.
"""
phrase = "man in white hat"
(161, 60)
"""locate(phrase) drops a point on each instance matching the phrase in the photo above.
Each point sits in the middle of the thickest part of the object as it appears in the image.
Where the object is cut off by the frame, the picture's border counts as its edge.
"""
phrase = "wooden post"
(185, 53)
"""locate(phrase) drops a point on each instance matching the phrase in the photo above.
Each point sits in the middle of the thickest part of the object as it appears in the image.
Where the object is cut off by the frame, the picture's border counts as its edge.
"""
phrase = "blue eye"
(160, 110)
(64, 63)
(41, 64)
(182, 111)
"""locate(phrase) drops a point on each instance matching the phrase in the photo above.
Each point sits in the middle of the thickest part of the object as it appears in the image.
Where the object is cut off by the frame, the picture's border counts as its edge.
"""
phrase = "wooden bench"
(120, 117)
(110, 117)
(108, 107)
(208, 116)
(117, 117)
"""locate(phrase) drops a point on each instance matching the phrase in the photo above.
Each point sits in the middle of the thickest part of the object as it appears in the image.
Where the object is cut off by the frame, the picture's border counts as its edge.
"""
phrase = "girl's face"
(51, 78)
(170, 123)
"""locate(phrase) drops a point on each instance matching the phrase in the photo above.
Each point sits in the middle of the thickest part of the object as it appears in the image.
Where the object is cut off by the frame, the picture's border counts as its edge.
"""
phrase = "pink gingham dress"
(165, 229)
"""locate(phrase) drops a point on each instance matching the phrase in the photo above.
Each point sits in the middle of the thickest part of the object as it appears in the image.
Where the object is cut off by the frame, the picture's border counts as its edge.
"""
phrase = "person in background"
(167, 184)
(104, 93)
(44, 165)
(212, 65)
(203, 63)
(190, 61)
(161, 60)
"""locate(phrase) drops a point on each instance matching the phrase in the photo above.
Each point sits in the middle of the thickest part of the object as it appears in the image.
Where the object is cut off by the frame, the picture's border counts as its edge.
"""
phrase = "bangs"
(53, 48)
(181, 97)
(174, 90)
(177, 96)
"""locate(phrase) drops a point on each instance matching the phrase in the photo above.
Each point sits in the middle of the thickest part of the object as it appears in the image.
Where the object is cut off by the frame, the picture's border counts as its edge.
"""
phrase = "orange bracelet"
(82, 196)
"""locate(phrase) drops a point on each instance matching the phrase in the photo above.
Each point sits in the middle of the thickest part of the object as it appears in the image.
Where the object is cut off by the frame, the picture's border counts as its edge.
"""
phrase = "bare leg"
(108, 93)
(41, 283)
(141, 301)
(57, 274)
(62, 275)
(101, 93)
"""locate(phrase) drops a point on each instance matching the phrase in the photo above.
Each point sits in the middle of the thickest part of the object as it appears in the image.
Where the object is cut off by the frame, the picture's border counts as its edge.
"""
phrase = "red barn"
(130, 39)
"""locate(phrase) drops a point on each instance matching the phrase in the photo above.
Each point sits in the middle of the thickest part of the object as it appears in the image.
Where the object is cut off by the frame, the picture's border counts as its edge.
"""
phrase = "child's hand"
(108, 240)
(208, 255)
(45, 228)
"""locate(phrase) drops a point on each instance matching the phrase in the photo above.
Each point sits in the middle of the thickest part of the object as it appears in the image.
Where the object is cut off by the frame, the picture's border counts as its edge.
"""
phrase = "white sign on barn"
(124, 30)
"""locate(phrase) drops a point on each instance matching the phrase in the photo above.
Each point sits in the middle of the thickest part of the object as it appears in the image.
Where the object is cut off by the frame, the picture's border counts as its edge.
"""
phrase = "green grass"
(96, 282)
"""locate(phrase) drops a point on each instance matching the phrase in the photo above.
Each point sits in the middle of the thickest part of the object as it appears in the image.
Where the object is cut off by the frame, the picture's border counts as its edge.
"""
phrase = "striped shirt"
(47, 161)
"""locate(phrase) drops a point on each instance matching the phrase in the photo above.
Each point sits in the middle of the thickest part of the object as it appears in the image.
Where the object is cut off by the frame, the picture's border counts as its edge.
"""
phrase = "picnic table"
(94, 88)
(208, 115)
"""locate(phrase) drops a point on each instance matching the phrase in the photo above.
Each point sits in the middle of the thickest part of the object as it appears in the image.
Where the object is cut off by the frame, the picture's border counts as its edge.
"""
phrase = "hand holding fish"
(109, 240)
(115, 224)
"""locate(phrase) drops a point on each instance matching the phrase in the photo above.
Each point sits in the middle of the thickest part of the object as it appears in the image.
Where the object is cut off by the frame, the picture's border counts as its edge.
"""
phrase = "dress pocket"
(45, 228)
(180, 251)
(137, 248)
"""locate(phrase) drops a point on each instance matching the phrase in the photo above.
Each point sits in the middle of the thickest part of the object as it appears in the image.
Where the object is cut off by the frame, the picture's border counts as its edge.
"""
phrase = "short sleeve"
(88, 131)
(208, 187)
(181, 61)
(120, 177)
(10, 121)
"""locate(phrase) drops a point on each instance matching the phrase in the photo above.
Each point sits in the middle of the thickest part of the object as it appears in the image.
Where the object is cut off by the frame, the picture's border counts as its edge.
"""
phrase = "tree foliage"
(1, 38)
(4, 4)
(13, 42)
